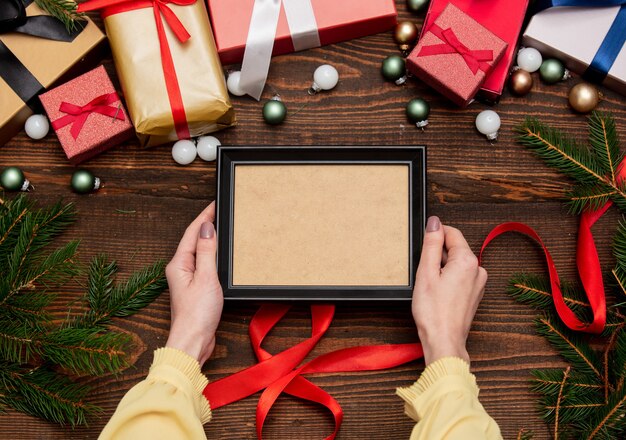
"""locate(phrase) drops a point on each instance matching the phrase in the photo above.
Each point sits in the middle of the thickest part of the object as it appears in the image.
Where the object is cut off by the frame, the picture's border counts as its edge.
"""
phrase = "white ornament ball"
(488, 123)
(233, 84)
(184, 152)
(529, 59)
(37, 127)
(207, 147)
(325, 77)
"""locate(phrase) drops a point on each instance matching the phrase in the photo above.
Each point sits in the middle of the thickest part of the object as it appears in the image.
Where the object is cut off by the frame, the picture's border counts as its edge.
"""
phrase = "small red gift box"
(87, 115)
(455, 54)
(502, 17)
(336, 21)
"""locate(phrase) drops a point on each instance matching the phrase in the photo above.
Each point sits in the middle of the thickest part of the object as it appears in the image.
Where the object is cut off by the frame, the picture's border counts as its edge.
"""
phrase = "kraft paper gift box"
(30, 64)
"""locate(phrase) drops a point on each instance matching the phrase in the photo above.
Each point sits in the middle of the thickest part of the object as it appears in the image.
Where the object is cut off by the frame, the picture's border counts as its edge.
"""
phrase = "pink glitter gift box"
(87, 115)
(455, 54)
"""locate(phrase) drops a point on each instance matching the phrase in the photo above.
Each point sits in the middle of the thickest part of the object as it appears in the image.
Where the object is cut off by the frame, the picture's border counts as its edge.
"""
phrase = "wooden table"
(472, 185)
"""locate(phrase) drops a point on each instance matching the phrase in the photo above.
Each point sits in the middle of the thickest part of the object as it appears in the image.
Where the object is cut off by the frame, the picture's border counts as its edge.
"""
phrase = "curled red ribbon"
(587, 261)
(475, 59)
(280, 372)
(77, 115)
(161, 10)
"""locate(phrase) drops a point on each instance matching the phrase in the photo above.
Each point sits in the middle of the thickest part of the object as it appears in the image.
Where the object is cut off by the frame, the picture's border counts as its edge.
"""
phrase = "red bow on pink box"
(475, 59)
(77, 115)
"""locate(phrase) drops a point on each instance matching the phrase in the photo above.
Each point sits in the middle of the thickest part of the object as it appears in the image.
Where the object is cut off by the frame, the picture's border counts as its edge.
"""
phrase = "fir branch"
(608, 422)
(589, 197)
(604, 141)
(525, 434)
(569, 345)
(560, 151)
(558, 403)
(44, 393)
(65, 11)
(100, 283)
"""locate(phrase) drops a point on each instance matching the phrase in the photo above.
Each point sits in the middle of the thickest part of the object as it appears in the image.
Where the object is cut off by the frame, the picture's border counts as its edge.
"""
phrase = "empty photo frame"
(320, 223)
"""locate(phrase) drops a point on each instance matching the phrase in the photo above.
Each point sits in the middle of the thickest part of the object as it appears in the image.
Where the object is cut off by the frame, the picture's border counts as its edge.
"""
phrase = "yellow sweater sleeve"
(444, 402)
(168, 404)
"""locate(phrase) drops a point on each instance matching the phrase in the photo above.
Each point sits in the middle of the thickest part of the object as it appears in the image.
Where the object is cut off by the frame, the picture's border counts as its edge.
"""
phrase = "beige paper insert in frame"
(321, 225)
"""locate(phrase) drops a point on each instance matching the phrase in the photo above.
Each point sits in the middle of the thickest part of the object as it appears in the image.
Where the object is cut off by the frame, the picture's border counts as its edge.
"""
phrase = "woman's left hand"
(196, 297)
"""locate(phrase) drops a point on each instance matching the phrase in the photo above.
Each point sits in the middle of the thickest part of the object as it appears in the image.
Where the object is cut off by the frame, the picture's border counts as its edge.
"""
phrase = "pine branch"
(559, 399)
(525, 434)
(589, 197)
(560, 151)
(44, 393)
(604, 141)
(100, 283)
(65, 11)
(569, 345)
(607, 422)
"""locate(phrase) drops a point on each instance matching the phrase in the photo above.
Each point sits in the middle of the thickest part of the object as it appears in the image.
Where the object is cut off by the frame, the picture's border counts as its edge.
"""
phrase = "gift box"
(168, 68)
(87, 115)
(455, 54)
(29, 63)
(333, 20)
(589, 40)
(502, 17)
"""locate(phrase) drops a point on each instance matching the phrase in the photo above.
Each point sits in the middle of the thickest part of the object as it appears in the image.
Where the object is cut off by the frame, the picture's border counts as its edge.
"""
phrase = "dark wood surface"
(472, 185)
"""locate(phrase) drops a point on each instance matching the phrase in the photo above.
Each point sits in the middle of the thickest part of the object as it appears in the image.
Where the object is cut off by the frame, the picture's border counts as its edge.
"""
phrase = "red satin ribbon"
(475, 59)
(161, 10)
(280, 372)
(587, 261)
(77, 115)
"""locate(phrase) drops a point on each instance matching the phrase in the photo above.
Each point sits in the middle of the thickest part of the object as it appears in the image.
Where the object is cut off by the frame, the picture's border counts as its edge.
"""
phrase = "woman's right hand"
(448, 288)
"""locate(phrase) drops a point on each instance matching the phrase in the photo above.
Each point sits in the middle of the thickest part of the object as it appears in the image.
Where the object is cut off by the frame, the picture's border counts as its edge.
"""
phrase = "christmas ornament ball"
(405, 34)
(552, 71)
(583, 97)
(207, 147)
(393, 68)
(13, 179)
(184, 152)
(325, 77)
(37, 127)
(233, 84)
(520, 82)
(529, 59)
(84, 182)
(417, 110)
(488, 123)
(416, 6)
(274, 112)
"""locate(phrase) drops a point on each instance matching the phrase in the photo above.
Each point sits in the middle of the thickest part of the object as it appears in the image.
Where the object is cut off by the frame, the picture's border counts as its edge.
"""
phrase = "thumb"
(206, 269)
(432, 250)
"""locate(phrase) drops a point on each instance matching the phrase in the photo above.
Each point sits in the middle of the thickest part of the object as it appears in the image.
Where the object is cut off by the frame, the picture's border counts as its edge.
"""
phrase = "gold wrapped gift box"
(135, 45)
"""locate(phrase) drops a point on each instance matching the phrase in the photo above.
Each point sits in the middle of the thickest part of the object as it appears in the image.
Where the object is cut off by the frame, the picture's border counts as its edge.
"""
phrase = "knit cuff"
(190, 368)
(442, 368)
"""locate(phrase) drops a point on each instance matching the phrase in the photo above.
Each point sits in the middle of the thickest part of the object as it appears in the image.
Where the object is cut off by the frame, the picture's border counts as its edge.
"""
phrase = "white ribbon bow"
(262, 33)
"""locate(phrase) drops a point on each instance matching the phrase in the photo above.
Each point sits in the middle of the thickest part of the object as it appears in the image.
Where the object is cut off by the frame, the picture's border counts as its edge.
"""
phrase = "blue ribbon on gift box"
(613, 41)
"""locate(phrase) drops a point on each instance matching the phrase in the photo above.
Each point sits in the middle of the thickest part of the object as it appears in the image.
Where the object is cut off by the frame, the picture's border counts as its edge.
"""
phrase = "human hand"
(196, 298)
(448, 287)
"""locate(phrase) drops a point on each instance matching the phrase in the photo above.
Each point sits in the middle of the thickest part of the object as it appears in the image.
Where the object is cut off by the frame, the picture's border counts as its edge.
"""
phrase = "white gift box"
(574, 35)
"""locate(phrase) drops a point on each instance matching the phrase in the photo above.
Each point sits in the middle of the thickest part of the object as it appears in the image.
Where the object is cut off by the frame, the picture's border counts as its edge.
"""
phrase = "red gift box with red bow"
(87, 115)
(455, 55)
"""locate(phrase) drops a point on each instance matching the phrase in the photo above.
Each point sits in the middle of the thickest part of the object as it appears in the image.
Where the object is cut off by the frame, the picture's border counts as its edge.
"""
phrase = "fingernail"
(207, 230)
(433, 224)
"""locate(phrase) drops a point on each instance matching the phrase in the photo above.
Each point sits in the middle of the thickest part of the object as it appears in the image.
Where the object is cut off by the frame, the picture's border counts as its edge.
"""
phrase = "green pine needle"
(65, 11)
(39, 355)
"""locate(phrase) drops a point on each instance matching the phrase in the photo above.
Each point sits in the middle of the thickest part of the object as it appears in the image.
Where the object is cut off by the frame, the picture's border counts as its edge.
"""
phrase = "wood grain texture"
(472, 185)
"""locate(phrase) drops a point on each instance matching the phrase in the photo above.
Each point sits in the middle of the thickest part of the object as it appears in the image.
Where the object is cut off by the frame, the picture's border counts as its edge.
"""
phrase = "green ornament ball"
(416, 6)
(552, 71)
(84, 182)
(393, 69)
(274, 112)
(417, 110)
(13, 179)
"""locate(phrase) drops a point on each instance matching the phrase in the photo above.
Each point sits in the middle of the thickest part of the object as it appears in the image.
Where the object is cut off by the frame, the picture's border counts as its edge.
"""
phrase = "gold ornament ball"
(521, 82)
(584, 97)
(405, 34)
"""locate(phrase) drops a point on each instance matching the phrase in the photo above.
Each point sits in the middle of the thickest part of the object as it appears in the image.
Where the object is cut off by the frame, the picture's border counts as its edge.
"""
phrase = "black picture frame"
(229, 157)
